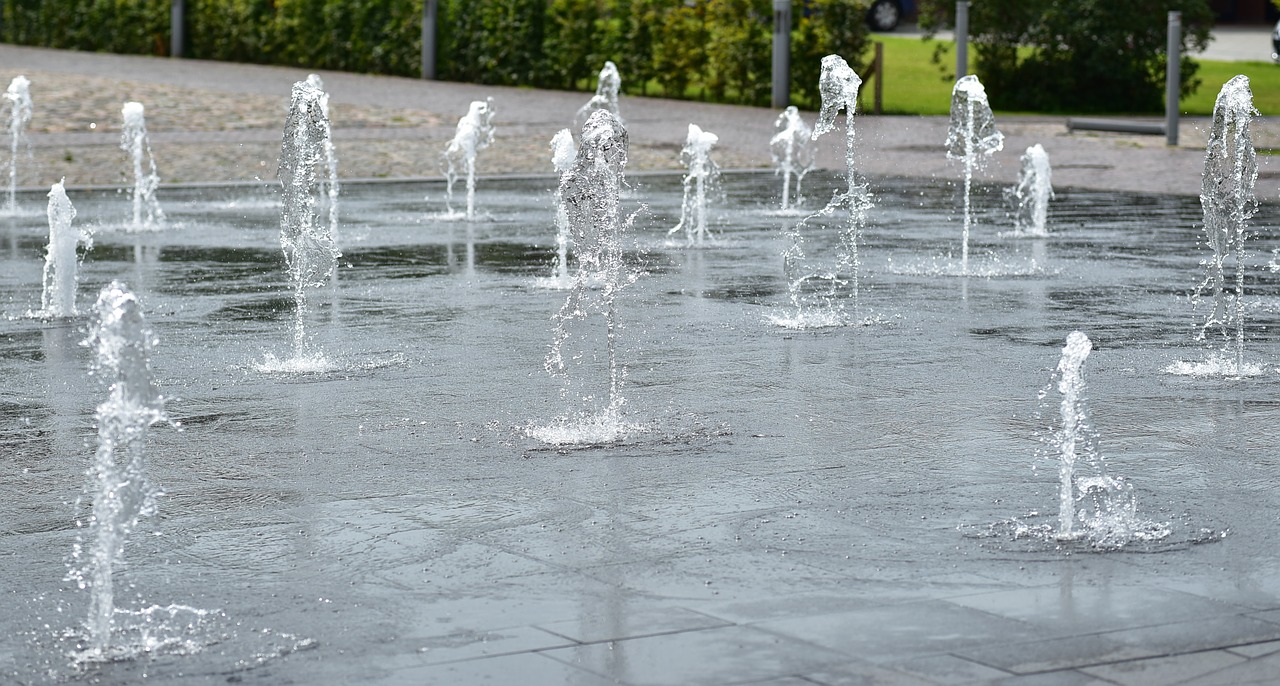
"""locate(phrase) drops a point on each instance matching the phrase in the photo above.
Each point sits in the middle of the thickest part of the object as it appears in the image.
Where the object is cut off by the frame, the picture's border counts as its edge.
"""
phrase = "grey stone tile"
(949, 669)
(712, 656)
(468, 644)
(1165, 670)
(1080, 609)
(1261, 670)
(899, 632)
(633, 623)
(526, 669)
(1212, 633)
(864, 674)
(1256, 649)
(1055, 654)
(1064, 677)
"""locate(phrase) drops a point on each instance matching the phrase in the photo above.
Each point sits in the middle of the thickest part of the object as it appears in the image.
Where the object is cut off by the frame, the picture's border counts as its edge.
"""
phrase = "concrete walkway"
(220, 122)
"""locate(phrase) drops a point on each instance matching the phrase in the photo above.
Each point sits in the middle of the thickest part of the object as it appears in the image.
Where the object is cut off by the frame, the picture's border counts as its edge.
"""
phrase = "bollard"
(1173, 78)
(177, 27)
(962, 38)
(430, 9)
(781, 53)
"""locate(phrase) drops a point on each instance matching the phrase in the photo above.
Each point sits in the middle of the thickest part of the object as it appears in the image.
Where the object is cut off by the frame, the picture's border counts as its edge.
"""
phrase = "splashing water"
(118, 486)
(134, 141)
(818, 290)
(972, 138)
(606, 97)
(792, 148)
(309, 249)
(698, 182)
(1103, 506)
(18, 99)
(328, 187)
(1030, 196)
(563, 152)
(61, 263)
(474, 133)
(1227, 198)
(591, 191)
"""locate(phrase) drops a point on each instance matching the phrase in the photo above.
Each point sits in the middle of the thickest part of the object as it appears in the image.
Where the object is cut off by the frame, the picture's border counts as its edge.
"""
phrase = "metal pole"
(177, 27)
(1173, 78)
(781, 53)
(962, 38)
(430, 9)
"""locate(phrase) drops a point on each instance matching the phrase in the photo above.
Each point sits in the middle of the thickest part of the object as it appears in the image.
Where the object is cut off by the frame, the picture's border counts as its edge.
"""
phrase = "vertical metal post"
(1173, 78)
(177, 27)
(962, 38)
(781, 53)
(878, 107)
(430, 9)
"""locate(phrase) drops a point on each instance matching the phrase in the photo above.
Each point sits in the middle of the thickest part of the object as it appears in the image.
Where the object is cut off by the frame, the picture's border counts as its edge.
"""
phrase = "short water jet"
(701, 179)
(563, 152)
(474, 133)
(972, 138)
(134, 141)
(1107, 515)
(18, 99)
(792, 149)
(61, 262)
(329, 186)
(1031, 194)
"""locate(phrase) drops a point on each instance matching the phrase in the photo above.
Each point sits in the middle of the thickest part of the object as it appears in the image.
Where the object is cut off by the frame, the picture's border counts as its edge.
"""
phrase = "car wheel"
(884, 15)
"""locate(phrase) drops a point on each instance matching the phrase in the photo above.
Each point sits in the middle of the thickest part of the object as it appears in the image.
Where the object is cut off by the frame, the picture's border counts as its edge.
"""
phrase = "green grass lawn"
(913, 84)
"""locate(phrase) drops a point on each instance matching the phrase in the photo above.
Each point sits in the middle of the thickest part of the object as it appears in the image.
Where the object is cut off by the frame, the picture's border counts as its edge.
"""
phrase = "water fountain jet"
(591, 191)
(18, 98)
(61, 263)
(474, 133)
(606, 97)
(121, 493)
(329, 186)
(1031, 194)
(972, 138)
(818, 291)
(134, 141)
(792, 149)
(701, 179)
(563, 153)
(309, 249)
(1228, 202)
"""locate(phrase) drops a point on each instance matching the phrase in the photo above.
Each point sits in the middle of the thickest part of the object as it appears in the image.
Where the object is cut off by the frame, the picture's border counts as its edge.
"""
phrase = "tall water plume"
(606, 97)
(701, 179)
(147, 214)
(591, 191)
(1092, 504)
(792, 149)
(817, 286)
(1227, 198)
(61, 262)
(1030, 196)
(119, 488)
(17, 97)
(474, 133)
(309, 249)
(972, 138)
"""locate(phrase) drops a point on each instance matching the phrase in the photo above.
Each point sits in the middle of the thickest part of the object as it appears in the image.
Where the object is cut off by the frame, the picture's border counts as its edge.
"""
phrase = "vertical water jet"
(972, 138)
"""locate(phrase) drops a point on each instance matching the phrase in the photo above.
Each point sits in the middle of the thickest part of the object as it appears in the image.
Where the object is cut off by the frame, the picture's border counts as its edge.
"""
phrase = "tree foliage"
(1076, 55)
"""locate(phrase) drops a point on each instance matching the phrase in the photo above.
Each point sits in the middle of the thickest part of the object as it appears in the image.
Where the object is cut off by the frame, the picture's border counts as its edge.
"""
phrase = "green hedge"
(714, 49)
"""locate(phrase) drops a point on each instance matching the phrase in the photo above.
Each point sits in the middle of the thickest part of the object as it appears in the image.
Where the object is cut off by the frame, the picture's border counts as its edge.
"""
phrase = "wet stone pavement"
(795, 508)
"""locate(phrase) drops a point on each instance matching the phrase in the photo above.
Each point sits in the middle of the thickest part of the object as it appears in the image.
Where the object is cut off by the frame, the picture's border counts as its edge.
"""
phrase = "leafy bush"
(722, 48)
(1081, 55)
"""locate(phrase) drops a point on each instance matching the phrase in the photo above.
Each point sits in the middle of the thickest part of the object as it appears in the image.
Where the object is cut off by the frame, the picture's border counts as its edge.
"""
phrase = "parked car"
(884, 15)
(1275, 43)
